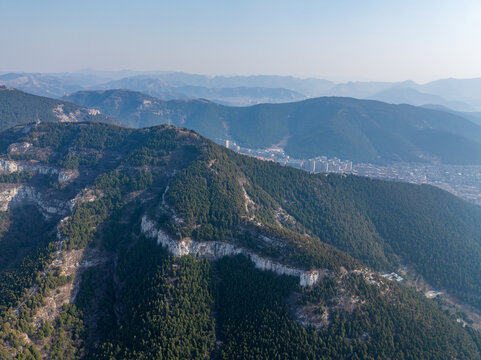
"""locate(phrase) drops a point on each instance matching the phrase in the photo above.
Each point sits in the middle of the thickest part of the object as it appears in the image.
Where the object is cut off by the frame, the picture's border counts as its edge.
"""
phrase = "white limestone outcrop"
(11, 166)
(213, 250)
(21, 194)
(73, 116)
(19, 148)
(67, 175)
(85, 195)
(8, 166)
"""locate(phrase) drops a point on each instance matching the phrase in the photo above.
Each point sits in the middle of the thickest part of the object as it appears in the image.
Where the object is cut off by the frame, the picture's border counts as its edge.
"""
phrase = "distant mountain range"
(39, 84)
(411, 96)
(457, 94)
(58, 85)
(229, 96)
(358, 130)
(473, 116)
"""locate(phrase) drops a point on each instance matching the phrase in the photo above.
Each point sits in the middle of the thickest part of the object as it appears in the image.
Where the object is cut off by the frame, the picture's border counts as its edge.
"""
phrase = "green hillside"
(358, 130)
(18, 107)
(88, 281)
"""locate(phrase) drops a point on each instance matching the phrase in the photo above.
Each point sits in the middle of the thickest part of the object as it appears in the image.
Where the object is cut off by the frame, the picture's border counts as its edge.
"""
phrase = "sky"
(341, 40)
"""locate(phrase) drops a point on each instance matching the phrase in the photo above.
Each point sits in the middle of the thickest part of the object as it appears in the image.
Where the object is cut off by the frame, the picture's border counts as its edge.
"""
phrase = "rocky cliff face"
(12, 195)
(11, 166)
(214, 250)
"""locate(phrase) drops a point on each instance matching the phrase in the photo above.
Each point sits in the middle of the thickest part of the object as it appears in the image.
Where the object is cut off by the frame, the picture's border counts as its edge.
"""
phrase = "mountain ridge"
(18, 107)
(347, 128)
(194, 190)
(236, 96)
(200, 194)
(456, 93)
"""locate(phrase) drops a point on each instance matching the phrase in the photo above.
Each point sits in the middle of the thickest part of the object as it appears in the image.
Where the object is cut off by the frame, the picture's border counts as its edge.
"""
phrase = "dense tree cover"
(67, 334)
(381, 223)
(110, 189)
(22, 230)
(73, 161)
(209, 198)
(347, 128)
(165, 307)
(16, 177)
(18, 107)
(429, 228)
(106, 197)
(321, 209)
(14, 282)
(83, 136)
(42, 281)
(27, 249)
(141, 303)
(254, 321)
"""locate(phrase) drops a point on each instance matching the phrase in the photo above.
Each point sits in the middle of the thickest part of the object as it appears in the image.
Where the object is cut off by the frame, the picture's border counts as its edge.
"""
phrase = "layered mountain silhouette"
(347, 128)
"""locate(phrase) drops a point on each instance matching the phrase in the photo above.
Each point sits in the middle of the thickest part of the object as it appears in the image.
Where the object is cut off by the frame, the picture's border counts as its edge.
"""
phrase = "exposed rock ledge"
(21, 194)
(213, 250)
(11, 166)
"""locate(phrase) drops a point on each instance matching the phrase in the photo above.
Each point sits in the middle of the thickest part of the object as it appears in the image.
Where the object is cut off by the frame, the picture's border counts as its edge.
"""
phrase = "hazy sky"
(337, 39)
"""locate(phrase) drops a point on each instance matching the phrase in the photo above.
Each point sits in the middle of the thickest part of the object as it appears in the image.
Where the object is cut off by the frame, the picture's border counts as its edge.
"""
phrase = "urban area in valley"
(461, 180)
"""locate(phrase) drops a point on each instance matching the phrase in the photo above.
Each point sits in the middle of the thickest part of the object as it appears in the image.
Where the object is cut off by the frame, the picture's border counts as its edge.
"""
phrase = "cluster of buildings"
(322, 164)
(461, 180)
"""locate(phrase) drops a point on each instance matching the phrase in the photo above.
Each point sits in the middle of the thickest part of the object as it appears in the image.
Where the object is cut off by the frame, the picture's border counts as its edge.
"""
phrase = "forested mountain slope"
(287, 262)
(18, 107)
(347, 128)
